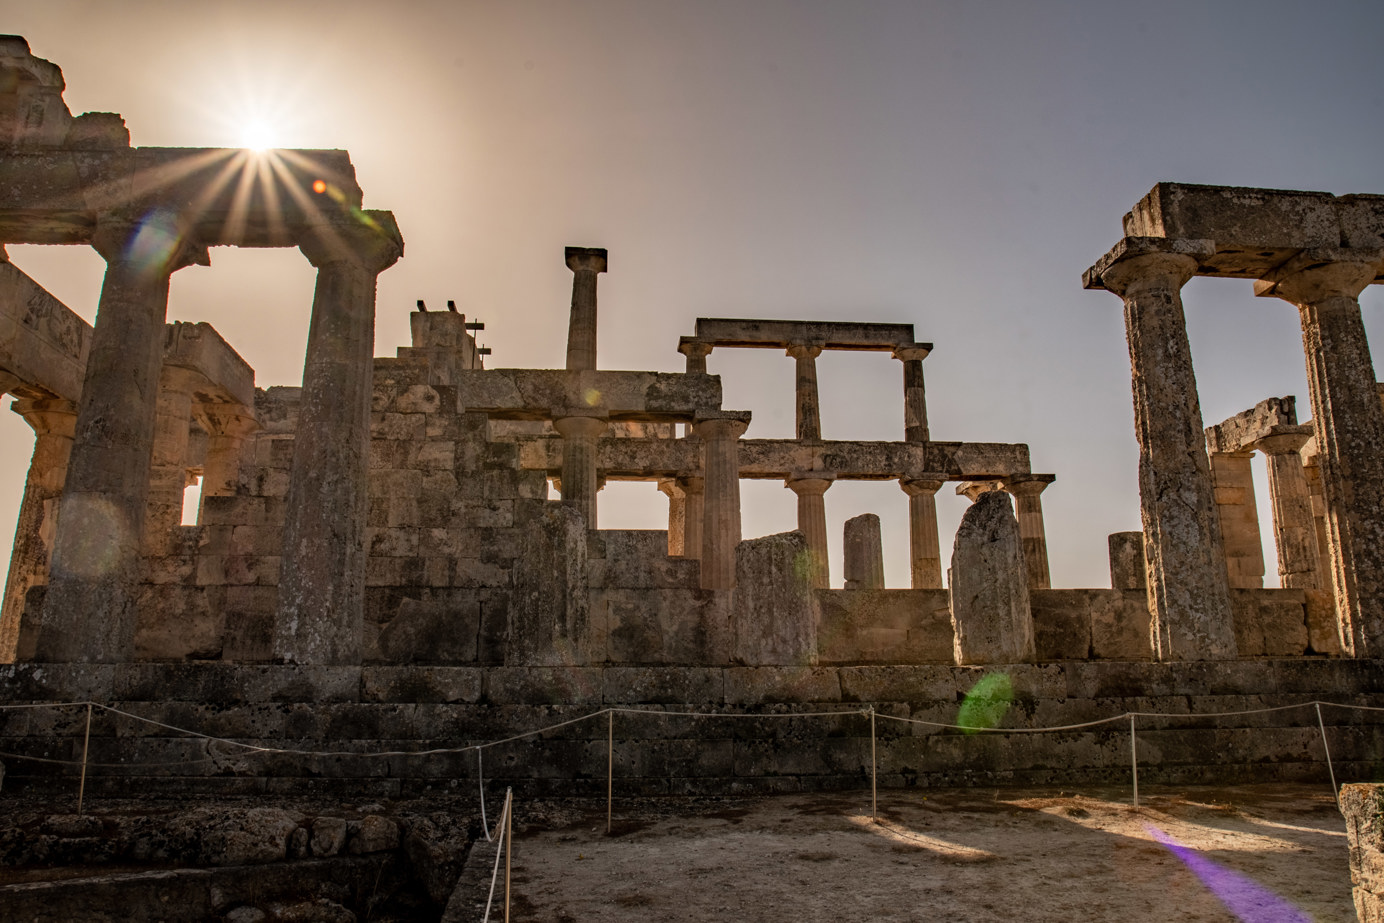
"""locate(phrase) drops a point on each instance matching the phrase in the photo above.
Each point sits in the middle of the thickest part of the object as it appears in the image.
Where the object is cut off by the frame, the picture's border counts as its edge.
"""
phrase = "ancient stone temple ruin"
(404, 553)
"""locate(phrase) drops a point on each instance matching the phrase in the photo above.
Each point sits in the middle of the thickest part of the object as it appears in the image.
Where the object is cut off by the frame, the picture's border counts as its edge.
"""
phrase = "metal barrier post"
(1134, 760)
(86, 741)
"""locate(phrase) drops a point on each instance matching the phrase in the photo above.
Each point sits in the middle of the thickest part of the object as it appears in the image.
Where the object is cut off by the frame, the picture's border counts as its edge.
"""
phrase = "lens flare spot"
(319, 187)
(591, 396)
(985, 705)
(93, 548)
(156, 242)
(1244, 897)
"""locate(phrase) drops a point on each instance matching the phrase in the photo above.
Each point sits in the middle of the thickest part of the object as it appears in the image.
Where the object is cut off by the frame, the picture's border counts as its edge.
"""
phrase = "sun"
(257, 135)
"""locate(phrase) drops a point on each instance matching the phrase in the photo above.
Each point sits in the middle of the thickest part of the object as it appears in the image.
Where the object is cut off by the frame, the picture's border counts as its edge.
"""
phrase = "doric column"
(585, 263)
(914, 395)
(809, 414)
(864, 553)
(168, 463)
(677, 514)
(579, 481)
(1233, 480)
(810, 487)
(696, 353)
(54, 422)
(322, 574)
(1295, 534)
(925, 549)
(89, 612)
(1325, 285)
(227, 428)
(1312, 470)
(721, 501)
(693, 490)
(1027, 491)
(1189, 600)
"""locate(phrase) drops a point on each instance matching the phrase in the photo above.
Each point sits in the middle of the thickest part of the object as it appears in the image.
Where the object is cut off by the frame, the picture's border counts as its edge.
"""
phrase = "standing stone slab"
(775, 610)
(548, 618)
(991, 619)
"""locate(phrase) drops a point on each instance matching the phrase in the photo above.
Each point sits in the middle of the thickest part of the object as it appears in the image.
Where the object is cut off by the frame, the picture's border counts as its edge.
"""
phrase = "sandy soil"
(1272, 853)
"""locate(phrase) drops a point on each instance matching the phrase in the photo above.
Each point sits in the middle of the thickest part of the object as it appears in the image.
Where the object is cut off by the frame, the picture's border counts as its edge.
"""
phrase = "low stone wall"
(351, 712)
(1363, 807)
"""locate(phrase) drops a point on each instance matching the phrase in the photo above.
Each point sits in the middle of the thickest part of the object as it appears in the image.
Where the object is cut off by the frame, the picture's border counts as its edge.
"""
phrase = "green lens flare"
(986, 703)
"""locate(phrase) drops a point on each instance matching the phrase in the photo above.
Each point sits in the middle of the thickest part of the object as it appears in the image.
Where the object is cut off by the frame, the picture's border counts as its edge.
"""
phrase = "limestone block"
(1120, 625)
(372, 834)
(437, 630)
(889, 626)
(664, 685)
(774, 609)
(1127, 570)
(663, 626)
(549, 611)
(180, 623)
(328, 836)
(1323, 631)
(1062, 623)
(989, 586)
(1270, 623)
(1362, 804)
(762, 685)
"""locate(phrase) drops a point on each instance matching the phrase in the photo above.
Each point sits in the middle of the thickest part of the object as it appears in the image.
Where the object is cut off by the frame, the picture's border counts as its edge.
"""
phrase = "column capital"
(371, 241)
(918, 351)
(1286, 440)
(690, 484)
(48, 415)
(158, 243)
(8, 382)
(972, 490)
(671, 488)
(922, 486)
(728, 423)
(1028, 485)
(1136, 262)
(803, 351)
(1317, 274)
(586, 259)
(577, 427)
(693, 348)
(810, 483)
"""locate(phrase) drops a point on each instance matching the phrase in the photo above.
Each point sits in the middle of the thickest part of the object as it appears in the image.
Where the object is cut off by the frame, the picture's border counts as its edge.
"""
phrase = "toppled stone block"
(242, 836)
(328, 836)
(373, 834)
(991, 619)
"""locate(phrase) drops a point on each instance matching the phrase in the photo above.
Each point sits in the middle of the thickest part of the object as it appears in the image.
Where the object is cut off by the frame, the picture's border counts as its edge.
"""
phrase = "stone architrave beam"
(43, 343)
(550, 394)
(1189, 600)
(781, 334)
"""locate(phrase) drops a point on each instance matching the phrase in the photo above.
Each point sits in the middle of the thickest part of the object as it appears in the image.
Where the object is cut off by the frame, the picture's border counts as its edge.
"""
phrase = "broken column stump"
(991, 619)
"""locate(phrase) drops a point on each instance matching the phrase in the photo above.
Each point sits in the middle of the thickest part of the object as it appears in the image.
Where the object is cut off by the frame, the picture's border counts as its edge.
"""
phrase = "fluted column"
(1349, 424)
(677, 514)
(693, 491)
(89, 612)
(696, 354)
(168, 464)
(1294, 532)
(721, 501)
(915, 427)
(810, 488)
(322, 574)
(925, 549)
(1233, 478)
(864, 553)
(808, 407)
(1027, 491)
(579, 475)
(54, 421)
(1189, 599)
(585, 263)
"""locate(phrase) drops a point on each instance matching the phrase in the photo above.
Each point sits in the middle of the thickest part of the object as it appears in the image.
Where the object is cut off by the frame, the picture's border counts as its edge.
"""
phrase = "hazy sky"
(953, 165)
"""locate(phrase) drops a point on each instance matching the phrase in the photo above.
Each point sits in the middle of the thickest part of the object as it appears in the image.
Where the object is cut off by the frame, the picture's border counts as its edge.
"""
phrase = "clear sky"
(953, 165)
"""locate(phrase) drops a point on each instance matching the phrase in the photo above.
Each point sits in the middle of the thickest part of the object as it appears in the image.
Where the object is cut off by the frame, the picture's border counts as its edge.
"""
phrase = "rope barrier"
(480, 781)
(1327, 748)
(504, 830)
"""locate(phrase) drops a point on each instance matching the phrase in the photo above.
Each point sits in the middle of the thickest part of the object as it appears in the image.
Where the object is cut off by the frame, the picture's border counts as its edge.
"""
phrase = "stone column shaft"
(693, 489)
(915, 428)
(585, 263)
(808, 407)
(54, 422)
(1028, 510)
(1349, 426)
(1189, 600)
(579, 475)
(89, 613)
(721, 500)
(1233, 477)
(677, 514)
(864, 553)
(168, 467)
(322, 573)
(1295, 534)
(812, 522)
(696, 354)
(925, 548)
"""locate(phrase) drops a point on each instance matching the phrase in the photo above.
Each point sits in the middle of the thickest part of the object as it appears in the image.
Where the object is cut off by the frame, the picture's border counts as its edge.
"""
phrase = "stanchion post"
(874, 772)
(86, 742)
(1327, 747)
(480, 781)
(610, 765)
(509, 844)
(1134, 760)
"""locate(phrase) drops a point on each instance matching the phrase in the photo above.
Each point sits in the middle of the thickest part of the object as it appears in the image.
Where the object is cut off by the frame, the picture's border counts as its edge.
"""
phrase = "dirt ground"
(1254, 853)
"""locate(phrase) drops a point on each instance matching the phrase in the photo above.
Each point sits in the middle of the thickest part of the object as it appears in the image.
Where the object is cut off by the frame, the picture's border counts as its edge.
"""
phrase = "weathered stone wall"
(373, 709)
(1363, 807)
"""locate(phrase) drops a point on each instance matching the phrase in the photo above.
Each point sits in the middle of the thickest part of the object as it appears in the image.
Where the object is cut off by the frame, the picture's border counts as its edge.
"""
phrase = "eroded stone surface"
(988, 579)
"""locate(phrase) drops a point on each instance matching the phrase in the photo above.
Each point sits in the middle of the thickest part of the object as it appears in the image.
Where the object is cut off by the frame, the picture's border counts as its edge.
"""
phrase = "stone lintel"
(547, 394)
(54, 197)
(1131, 248)
(1240, 432)
(781, 334)
(43, 343)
